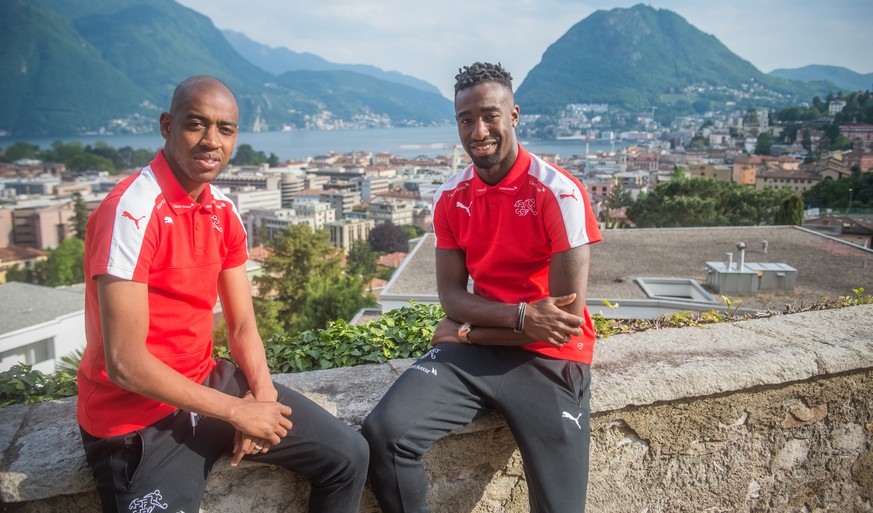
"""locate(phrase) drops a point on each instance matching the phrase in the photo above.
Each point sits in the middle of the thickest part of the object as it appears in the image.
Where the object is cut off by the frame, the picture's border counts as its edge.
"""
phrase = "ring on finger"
(258, 447)
(566, 338)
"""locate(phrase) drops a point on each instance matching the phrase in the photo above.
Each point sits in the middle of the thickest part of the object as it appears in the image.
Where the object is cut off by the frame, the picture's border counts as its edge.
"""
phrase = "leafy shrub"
(401, 333)
(23, 385)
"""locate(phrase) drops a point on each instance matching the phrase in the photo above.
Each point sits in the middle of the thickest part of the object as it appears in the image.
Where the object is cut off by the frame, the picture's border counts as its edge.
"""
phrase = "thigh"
(443, 390)
(318, 443)
(547, 405)
(162, 466)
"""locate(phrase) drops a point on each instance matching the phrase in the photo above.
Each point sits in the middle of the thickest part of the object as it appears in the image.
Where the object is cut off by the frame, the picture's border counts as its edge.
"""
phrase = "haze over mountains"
(70, 67)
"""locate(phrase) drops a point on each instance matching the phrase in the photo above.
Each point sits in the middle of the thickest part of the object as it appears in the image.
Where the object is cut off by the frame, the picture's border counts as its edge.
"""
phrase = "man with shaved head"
(156, 410)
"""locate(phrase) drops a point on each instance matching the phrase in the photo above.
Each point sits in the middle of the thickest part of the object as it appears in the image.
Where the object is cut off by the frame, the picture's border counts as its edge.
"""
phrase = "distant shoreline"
(298, 145)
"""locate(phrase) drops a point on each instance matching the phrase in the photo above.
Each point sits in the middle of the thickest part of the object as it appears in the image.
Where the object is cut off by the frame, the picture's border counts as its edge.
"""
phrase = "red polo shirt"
(509, 232)
(149, 230)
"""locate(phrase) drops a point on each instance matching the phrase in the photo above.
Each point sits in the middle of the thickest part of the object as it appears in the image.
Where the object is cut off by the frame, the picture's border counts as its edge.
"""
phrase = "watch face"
(463, 330)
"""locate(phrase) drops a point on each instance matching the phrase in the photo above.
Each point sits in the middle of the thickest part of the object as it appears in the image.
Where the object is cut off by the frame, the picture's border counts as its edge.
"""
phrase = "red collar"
(177, 198)
(512, 182)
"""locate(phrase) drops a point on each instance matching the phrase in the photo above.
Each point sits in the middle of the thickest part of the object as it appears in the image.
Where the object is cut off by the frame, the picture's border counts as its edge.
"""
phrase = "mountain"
(843, 78)
(72, 67)
(48, 73)
(641, 57)
(280, 60)
(351, 94)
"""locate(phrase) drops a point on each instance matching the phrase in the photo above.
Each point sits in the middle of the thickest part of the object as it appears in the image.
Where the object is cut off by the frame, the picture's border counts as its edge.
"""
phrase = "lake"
(297, 145)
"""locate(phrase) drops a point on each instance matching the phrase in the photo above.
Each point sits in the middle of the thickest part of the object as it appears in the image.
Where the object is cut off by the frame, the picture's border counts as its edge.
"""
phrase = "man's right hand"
(545, 321)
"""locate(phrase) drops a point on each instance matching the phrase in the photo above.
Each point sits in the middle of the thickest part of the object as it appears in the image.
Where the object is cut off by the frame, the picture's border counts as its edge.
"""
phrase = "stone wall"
(764, 415)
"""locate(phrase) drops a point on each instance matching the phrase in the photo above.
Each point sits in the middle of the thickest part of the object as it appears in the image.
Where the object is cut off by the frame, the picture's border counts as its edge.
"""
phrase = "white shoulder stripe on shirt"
(573, 213)
(132, 216)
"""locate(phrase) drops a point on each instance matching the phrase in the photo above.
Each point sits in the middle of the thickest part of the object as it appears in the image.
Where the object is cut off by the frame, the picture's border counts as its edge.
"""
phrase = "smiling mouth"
(483, 148)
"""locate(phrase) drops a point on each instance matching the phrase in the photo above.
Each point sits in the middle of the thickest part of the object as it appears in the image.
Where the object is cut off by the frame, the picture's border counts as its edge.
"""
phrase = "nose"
(480, 130)
(211, 137)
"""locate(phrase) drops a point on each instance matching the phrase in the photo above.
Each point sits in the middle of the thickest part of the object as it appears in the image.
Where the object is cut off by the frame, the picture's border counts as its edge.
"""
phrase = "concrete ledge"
(721, 375)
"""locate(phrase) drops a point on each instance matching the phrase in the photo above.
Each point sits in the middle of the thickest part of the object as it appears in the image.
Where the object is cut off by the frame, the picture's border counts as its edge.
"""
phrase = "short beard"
(489, 161)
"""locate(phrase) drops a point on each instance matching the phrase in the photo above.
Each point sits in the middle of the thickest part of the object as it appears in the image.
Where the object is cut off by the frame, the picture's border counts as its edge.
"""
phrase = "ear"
(165, 124)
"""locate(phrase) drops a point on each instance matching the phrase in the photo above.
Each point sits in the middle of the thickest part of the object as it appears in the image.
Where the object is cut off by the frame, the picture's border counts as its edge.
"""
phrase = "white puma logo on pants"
(574, 419)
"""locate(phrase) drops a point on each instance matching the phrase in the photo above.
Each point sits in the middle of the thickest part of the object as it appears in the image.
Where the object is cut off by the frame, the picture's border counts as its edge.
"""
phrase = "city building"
(257, 181)
(860, 134)
(745, 170)
(369, 187)
(390, 210)
(343, 232)
(262, 225)
(797, 180)
(16, 256)
(42, 226)
(721, 173)
(249, 198)
(40, 325)
(342, 201)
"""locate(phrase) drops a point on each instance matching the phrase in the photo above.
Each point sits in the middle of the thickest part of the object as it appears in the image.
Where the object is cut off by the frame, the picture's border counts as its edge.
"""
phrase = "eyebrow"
(200, 117)
(466, 112)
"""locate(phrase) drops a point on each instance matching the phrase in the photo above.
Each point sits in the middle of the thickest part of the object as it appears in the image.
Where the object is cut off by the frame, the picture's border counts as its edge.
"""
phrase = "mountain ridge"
(110, 66)
(843, 78)
(651, 56)
(278, 60)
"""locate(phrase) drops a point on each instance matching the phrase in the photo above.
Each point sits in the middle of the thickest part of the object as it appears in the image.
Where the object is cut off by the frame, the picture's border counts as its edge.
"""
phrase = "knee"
(377, 430)
(356, 451)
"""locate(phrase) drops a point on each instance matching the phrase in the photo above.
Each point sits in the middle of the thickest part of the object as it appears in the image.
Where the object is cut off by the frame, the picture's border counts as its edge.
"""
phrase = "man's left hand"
(244, 444)
(446, 332)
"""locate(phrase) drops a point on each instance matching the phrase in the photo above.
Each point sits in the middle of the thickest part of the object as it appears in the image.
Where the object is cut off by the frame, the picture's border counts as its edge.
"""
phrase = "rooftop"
(26, 305)
(825, 266)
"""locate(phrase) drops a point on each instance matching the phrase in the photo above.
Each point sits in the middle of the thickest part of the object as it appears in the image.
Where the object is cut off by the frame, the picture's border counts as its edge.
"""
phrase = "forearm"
(141, 372)
(248, 351)
(462, 306)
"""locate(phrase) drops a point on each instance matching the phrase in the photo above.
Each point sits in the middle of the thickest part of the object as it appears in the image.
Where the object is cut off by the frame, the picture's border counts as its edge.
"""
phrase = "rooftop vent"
(748, 279)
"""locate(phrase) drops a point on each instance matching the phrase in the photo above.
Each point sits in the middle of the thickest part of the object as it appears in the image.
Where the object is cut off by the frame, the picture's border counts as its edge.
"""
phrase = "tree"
(63, 152)
(412, 231)
(247, 156)
(80, 216)
(89, 162)
(806, 140)
(298, 255)
(790, 211)
(619, 197)
(705, 202)
(328, 299)
(19, 273)
(764, 145)
(20, 150)
(64, 265)
(388, 238)
(361, 260)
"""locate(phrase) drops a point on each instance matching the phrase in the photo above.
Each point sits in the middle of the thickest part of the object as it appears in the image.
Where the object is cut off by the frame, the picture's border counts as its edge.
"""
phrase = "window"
(30, 354)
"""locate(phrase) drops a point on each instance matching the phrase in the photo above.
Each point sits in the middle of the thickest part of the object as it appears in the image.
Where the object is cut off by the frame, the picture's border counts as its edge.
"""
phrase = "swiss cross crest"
(525, 207)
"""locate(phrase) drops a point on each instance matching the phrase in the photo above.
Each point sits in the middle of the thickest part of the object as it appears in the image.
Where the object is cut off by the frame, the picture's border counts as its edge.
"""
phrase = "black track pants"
(546, 403)
(164, 467)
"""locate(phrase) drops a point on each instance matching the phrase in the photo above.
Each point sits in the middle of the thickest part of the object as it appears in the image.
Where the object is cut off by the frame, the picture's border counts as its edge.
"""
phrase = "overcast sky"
(430, 39)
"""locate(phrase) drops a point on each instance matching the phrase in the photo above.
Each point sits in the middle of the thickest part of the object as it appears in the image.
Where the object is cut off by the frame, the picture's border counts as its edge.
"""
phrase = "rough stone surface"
(731, 453)
(766, 415)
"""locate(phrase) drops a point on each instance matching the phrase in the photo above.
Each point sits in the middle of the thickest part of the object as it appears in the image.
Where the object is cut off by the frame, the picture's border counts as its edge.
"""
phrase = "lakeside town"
(349, 194)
